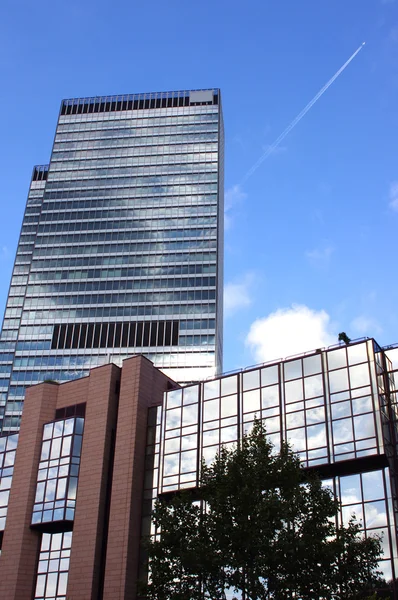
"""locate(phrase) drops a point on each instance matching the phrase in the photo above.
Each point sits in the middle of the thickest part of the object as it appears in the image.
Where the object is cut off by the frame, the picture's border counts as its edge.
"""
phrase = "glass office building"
(337, 408)
(121, 245)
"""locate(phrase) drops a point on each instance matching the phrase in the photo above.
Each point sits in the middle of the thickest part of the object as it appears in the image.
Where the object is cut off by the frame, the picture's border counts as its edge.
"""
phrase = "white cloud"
(237, 295)
(233, 196)
(289, 331)
(320, 256)
(365, 326)
(394, 195)
(4, 253)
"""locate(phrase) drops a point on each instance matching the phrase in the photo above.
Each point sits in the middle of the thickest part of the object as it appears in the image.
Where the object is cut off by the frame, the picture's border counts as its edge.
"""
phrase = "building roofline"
(137, 96)
(276, 361)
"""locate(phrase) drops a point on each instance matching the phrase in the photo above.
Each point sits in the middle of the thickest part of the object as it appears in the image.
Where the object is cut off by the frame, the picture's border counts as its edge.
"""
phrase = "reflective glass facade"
(121, 245)
(53, 566)
(58, 472)
(337, 409)
(8, 446)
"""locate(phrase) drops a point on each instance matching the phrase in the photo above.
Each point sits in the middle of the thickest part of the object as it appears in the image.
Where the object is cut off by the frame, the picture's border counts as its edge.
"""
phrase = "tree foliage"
(263, 529)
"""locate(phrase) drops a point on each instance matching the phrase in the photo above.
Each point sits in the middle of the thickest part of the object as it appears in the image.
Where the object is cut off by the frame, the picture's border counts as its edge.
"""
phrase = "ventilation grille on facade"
(115, 335)
(117, 103)
(40, 173)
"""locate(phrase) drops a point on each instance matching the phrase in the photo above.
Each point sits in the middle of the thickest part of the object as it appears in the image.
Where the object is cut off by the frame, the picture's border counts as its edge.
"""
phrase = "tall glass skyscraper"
(121, 247)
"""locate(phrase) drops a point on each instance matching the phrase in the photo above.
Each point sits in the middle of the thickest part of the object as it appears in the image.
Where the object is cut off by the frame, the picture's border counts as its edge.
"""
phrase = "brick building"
(36, 559)
(77, 484)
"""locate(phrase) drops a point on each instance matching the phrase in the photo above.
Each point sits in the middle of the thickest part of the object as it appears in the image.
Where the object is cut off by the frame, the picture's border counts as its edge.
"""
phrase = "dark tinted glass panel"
(68, 339)
(145, 341)
(160, 341)
(54, 341)
(138, 341)
(62, 336)
(118, 335)
(83, 333)
(90, 335)
(111, 334)
(76, 335)
(104, 335)
(96, 337)
(76, 410)
(153, 334)
(174, 340)
(167, 336)
(132, 334)
(125, 335)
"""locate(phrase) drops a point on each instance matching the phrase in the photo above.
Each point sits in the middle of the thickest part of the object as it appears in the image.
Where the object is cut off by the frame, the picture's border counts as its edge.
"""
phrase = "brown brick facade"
(106, 531)
(18, 561)
(142, 386)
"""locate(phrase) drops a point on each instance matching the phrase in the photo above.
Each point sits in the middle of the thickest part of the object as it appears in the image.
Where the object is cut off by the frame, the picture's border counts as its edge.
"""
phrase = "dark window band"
(40, 173)
(96, 105)
(115, 335)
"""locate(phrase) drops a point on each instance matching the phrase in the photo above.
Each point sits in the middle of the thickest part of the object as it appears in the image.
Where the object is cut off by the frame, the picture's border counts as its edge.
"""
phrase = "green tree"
(263, 528)
(175, 559)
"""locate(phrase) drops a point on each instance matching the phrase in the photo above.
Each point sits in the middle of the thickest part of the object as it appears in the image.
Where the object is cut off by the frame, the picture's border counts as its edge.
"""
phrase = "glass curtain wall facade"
(121, 245)
(337, 408)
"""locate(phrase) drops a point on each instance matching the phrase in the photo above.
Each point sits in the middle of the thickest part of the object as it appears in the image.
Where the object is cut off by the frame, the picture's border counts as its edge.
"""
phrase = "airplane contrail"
(293, 124)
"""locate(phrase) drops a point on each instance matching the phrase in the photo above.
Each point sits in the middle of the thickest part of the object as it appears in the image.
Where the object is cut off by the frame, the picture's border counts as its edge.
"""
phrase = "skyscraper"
(121, 245)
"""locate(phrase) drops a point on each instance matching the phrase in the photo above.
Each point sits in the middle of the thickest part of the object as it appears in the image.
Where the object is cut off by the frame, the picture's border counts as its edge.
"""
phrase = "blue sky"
(310, 245)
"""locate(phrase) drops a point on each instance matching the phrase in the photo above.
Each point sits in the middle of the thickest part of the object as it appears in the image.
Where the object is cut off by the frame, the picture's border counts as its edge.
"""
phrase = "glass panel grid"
(151, 476)
(323, 404)
(8, 445)
(327, 407)
(181, 450)
(53, 566)
(353, 405)
(367, 496)
(58, 471)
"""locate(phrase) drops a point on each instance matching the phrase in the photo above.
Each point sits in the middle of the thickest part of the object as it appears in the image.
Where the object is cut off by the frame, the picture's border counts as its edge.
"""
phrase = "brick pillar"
(142, 385)
(85, 569)
(18, 561)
